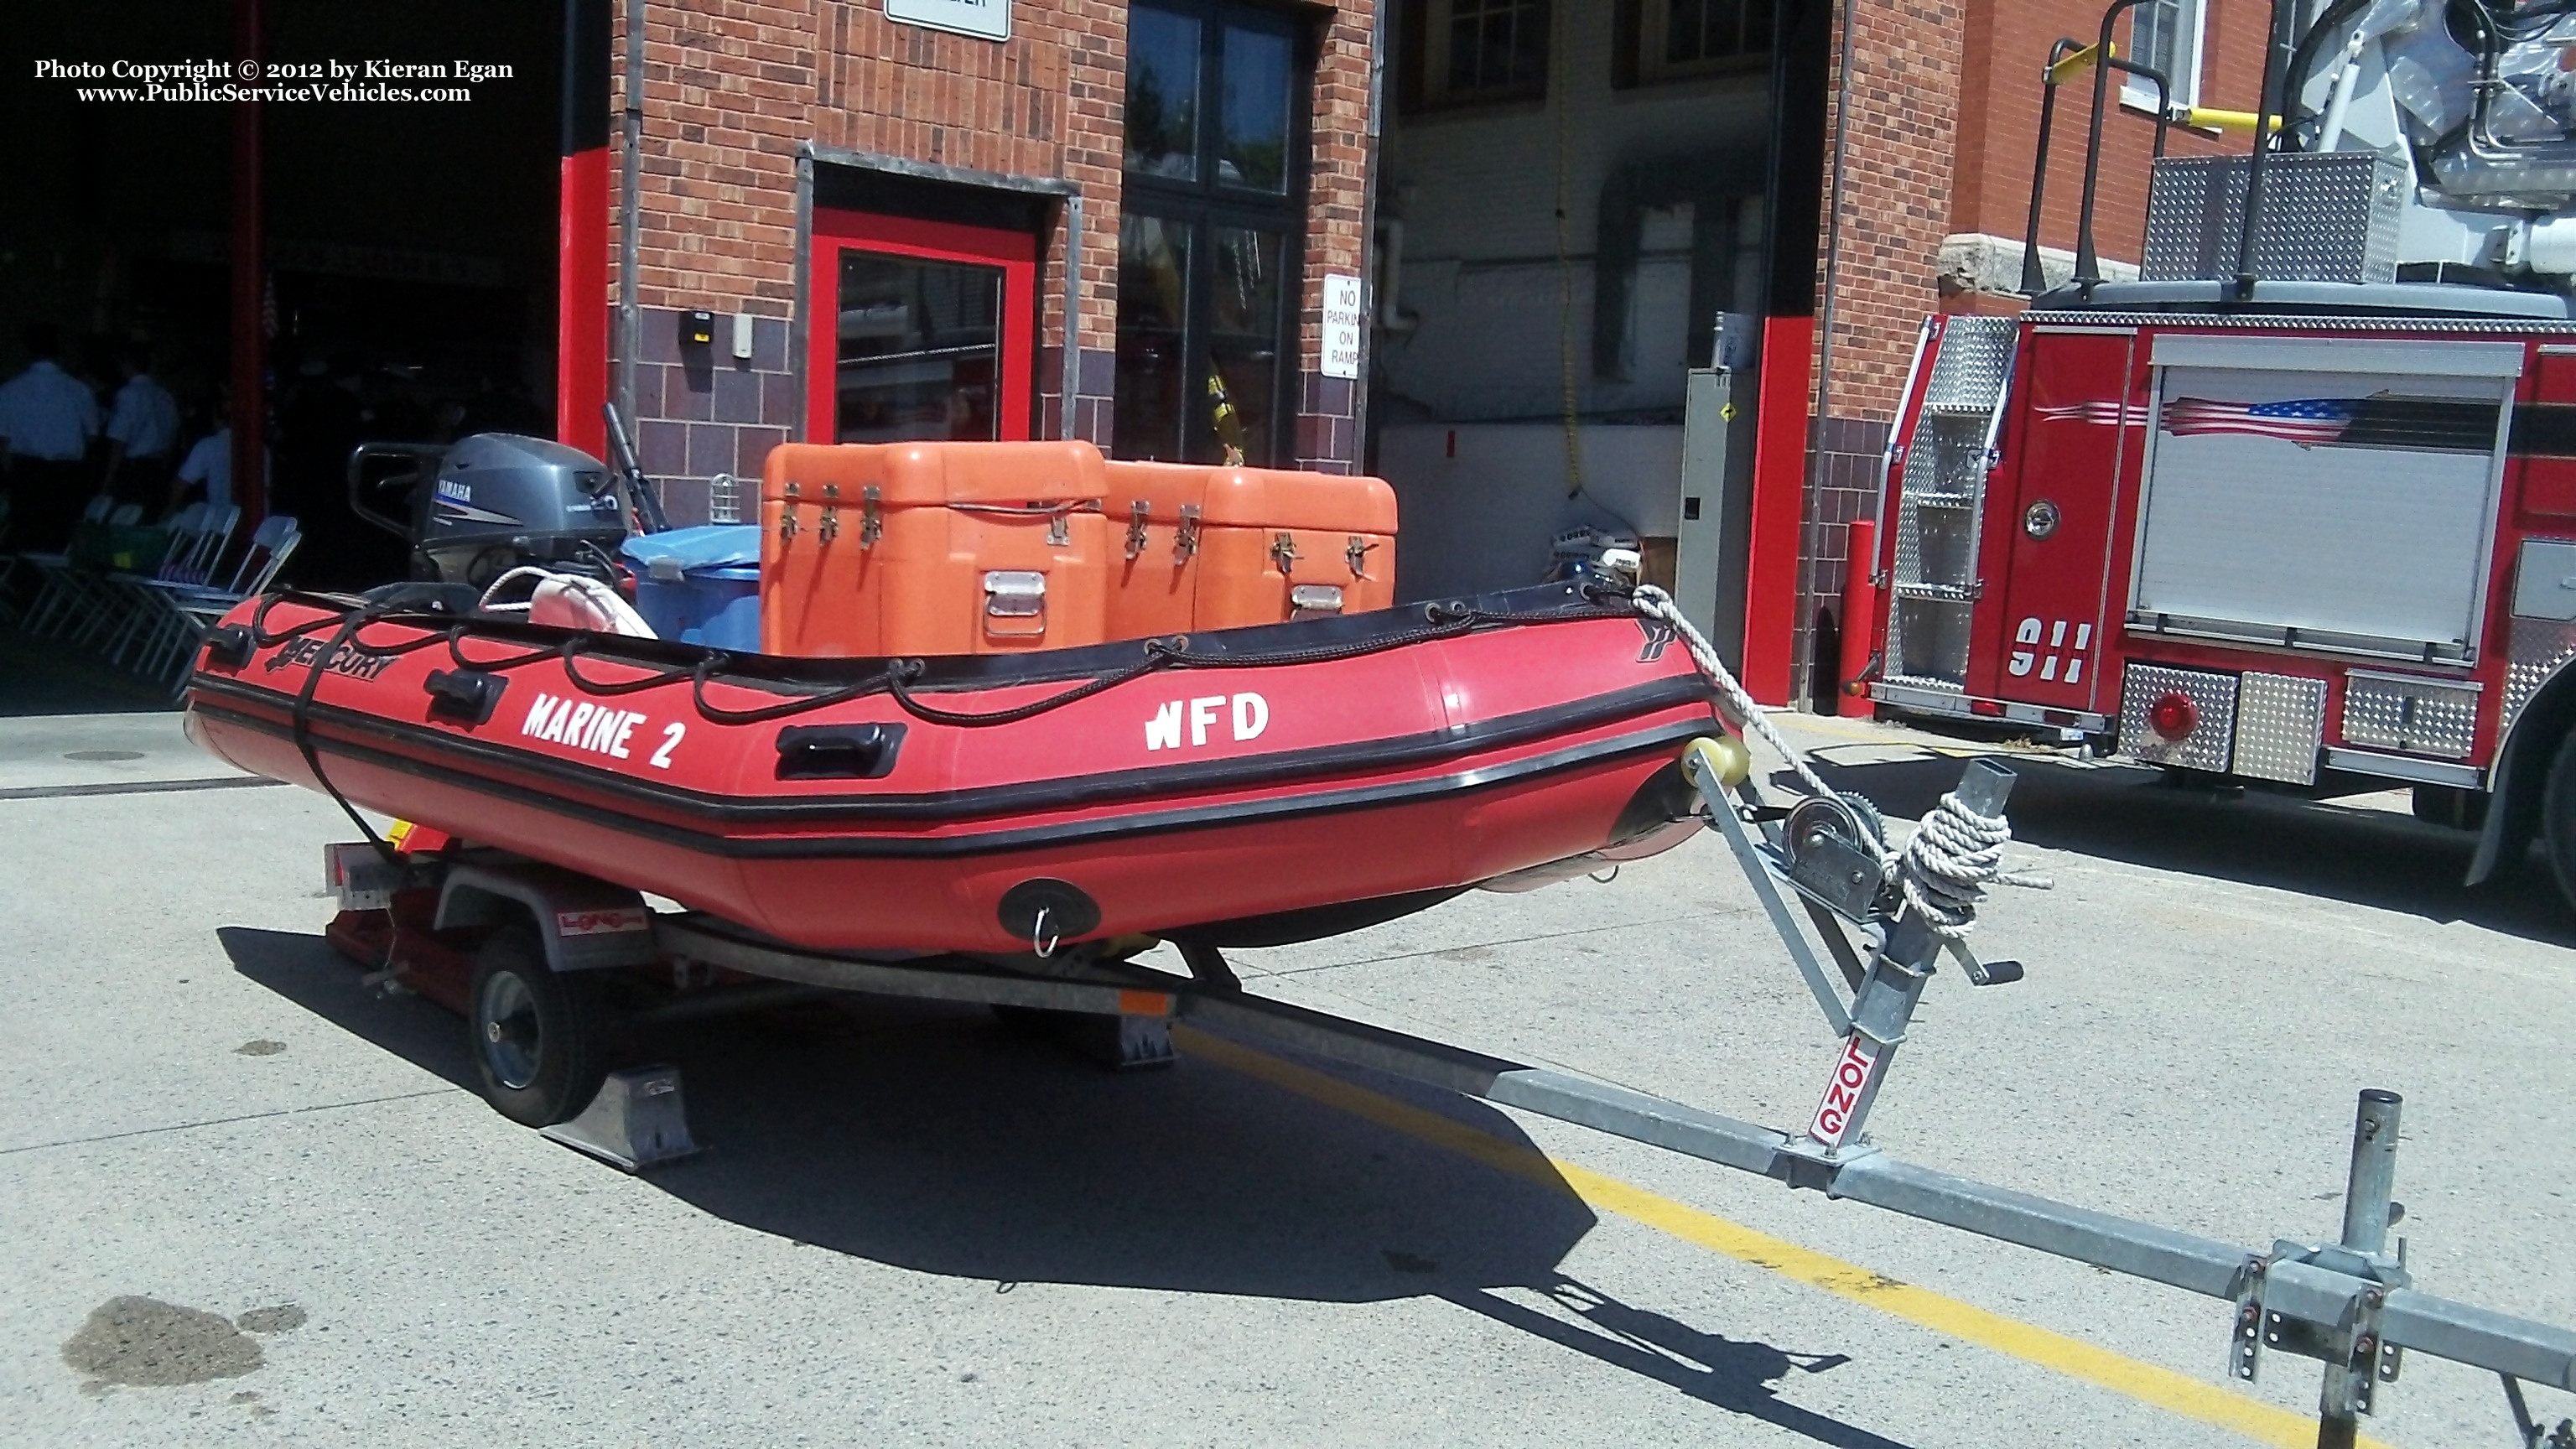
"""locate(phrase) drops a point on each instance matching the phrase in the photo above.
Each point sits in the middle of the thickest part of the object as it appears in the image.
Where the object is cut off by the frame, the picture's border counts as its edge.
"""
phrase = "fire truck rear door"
(2078, 432)
(2336, 494)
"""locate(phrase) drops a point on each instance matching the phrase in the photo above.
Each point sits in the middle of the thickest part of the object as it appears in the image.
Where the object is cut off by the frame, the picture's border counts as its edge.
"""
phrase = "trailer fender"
(2520, 779)
(583, 923)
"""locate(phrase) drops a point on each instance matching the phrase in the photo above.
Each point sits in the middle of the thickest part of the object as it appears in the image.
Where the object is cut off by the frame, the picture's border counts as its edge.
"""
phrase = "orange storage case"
(881, 549)
(1209, 547)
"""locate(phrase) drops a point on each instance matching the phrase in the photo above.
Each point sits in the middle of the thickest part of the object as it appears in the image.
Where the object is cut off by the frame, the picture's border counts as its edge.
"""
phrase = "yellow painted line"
(2147, 1383)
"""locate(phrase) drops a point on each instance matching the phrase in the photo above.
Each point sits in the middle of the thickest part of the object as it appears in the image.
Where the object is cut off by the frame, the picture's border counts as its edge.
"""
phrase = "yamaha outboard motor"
(491, 502)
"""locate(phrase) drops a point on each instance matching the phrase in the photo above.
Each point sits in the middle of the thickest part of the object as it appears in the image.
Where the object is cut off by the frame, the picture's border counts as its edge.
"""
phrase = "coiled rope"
(1953, 855)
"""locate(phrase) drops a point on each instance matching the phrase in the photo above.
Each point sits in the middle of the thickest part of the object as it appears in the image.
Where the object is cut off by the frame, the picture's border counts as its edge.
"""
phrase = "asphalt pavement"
(247, 1198)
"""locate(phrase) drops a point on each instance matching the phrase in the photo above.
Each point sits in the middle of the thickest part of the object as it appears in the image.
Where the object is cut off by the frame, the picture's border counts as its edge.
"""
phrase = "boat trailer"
(2350, 1304)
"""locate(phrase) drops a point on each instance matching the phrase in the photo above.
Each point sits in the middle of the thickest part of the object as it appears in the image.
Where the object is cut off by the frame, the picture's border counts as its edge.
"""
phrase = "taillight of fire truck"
(2174, 716)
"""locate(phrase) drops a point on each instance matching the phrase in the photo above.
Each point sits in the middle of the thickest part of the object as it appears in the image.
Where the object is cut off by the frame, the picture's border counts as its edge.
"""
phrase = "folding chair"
(201, 607)
(57, 584)
(198, 535)
(108, 595)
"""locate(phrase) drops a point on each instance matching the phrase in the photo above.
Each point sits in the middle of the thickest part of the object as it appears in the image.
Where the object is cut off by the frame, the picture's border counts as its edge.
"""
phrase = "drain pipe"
(1834, 213)
(630, 317)
(1804, 681)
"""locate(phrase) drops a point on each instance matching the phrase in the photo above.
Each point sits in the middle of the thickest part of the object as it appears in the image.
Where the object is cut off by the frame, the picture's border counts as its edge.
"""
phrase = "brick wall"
(728, 95)
(733, 89)
(1897, 155)
(2005, 45)
(1943, 132)
(1327, 428)
(1897, 159)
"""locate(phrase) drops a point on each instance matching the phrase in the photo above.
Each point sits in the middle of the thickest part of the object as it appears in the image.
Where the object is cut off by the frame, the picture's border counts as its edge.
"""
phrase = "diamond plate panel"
(1969, 369)
(2280, 724)
(1909, 543)
(2535, 649)
(1927, 641)
(2207, 746)
(1945, 547)
(2328, 216)
(2410, 713)
(1947, 455)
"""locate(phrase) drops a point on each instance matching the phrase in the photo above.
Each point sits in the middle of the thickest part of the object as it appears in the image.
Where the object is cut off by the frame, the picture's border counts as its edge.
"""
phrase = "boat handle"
(838, 752)
(464, 696)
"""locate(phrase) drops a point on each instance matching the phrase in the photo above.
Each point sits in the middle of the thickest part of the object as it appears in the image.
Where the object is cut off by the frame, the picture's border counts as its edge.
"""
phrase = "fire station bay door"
(2337, 495)
(921, 330)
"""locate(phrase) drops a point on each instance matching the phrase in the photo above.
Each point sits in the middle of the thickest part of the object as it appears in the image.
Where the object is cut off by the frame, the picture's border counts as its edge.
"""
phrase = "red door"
(921, 330)
(2079, 433)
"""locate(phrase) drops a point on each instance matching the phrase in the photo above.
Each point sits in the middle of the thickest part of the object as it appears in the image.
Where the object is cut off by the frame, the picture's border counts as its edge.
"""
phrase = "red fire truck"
(2299, 501)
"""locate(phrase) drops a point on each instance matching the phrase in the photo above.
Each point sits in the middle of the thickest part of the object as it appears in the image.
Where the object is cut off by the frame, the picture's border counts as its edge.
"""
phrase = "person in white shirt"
(209, 463)
(142, 434)
(49, 419)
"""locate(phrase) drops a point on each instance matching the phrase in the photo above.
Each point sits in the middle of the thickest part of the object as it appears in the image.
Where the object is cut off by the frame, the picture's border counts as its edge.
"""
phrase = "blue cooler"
(700, 585)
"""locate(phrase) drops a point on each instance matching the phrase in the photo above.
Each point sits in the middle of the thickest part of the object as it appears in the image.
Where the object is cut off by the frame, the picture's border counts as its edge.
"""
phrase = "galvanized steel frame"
(2327, 1294)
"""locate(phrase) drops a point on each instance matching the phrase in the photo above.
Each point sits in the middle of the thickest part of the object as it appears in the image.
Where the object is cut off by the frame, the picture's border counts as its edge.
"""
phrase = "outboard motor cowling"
(493, 501)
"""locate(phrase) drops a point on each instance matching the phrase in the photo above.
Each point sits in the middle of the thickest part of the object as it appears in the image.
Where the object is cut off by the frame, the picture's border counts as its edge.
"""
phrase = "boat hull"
(1283, 770)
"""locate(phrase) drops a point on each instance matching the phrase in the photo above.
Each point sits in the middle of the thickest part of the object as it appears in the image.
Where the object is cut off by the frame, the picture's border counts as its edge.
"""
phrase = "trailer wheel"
(536, 1034)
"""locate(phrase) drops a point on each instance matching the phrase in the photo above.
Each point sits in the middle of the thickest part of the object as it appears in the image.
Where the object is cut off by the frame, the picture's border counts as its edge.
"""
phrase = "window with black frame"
(1676, 40)
(1210, 234)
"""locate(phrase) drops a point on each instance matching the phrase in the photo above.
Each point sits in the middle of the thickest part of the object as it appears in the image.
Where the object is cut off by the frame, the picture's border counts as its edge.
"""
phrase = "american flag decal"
(2309, 422)
(2108, 412)
(2449, 425)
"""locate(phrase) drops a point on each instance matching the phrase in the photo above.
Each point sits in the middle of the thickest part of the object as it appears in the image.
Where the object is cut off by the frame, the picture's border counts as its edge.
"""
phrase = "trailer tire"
(2558, 818)
(536, 1033)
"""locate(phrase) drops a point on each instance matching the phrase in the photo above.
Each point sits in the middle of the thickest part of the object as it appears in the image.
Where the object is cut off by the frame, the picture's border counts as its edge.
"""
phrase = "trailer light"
(2173, 715)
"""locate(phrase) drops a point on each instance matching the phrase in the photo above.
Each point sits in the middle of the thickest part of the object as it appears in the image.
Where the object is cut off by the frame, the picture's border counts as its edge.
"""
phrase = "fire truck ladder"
(1939, 509)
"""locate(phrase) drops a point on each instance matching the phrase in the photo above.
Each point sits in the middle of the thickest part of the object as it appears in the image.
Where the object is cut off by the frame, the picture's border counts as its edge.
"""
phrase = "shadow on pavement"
(306, 970)
(44, 676)
(2339, 852)
(927, 1136)
(1731, 1373)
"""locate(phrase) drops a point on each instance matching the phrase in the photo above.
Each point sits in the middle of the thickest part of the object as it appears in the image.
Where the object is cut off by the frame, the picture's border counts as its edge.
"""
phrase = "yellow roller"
(1724, 758)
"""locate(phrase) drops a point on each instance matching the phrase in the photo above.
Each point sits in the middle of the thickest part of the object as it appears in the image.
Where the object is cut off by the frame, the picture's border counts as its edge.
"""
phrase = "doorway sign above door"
(990, 19)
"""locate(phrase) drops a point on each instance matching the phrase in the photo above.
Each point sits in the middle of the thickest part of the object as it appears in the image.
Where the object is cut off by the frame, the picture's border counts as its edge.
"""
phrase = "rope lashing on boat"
(1953, 855)
(1158, 652)
(1446, 622)
(1442, 620)
(300, 727)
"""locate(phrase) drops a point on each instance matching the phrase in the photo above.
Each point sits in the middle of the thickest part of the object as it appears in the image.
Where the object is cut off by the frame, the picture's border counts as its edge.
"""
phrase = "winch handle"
(640, 493)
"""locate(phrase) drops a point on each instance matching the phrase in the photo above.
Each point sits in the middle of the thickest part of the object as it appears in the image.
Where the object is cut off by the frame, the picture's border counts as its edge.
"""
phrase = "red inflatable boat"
(1241, 787)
